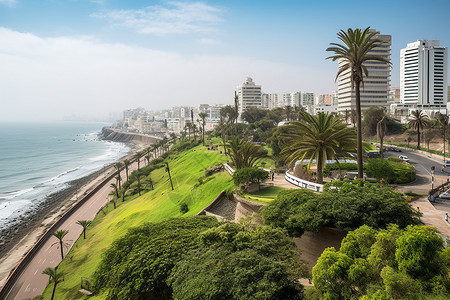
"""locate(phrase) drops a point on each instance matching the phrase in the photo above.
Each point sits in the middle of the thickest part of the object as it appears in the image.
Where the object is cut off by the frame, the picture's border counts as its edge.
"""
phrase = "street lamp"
(432, 178)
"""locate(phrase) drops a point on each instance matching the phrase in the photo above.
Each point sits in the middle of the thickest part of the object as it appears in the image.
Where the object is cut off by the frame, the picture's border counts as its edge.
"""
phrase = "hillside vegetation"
(186, 167)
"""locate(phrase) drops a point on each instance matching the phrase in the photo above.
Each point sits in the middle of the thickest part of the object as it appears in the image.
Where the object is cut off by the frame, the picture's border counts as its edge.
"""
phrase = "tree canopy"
(200, 258)
(385, 264)
(343, 205)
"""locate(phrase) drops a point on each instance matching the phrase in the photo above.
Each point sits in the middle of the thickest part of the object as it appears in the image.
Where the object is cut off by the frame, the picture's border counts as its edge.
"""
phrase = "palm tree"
(118, 165)
(319, 137)
(114, 186)
(137, 157)
(352, 56)
(53, 276)
(192, 123)
(203, 116)
(126, 163)
(60, 234)
(148, 158)
(442, 121)
(113, 200)
(244, 153)
(418, 120)
(236, 107)
(84, 224)
(125, 188)
(381, 131)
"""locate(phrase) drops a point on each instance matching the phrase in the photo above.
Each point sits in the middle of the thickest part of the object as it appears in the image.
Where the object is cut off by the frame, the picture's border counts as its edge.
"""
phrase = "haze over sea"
(38, 159)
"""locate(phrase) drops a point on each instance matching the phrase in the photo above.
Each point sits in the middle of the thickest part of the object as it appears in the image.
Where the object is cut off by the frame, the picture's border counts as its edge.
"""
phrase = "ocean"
(38, 159)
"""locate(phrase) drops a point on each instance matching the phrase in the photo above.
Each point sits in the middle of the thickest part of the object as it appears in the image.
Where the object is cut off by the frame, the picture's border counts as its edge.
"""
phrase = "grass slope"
(153, 206)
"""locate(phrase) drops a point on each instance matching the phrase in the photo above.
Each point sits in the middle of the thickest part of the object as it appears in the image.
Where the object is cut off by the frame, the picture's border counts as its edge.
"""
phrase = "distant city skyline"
(92, 57)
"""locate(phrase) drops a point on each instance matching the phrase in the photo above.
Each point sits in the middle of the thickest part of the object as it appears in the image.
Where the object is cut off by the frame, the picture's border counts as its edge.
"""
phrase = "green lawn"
(153, 206)
(265, 195)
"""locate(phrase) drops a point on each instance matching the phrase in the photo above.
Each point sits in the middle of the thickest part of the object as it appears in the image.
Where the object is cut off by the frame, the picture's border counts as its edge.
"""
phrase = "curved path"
(31, 281)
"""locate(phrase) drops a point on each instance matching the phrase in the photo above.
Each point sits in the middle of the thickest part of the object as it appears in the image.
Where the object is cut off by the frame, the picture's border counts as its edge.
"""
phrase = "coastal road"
(31, 281)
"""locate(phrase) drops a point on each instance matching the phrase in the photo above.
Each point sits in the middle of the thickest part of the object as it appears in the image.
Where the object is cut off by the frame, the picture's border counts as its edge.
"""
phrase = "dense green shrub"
(385, 264)
(343, 205)
(339, 166)
(200, 258)
(393, 170)
(249, 175)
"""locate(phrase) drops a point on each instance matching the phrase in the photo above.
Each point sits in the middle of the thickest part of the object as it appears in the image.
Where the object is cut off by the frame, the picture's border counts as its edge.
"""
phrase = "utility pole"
(168, 171)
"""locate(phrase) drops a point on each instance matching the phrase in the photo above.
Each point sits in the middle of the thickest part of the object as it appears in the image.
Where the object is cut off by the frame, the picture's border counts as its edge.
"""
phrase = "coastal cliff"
(117, 136)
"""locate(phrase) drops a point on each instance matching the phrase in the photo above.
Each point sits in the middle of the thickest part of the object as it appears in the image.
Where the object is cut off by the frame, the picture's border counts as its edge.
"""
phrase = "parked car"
(404, 157)
(446, 163)
(395, 149)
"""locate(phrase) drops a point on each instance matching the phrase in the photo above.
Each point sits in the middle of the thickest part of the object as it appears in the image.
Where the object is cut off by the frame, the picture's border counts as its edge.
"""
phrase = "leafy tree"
(353, 54)
(253, 114)
(60, 234)
(239, 262)
(55, 276)
(244, 153)
(137, 265)
(385, 264)
(319, 138)
(275, 114)
(84, 224)
(380, 168)
(370, 119)
(418, 121)
(249, 175)
(343, 205)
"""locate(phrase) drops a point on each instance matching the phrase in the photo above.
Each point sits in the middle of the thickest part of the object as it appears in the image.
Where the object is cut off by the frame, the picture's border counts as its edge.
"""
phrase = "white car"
(445, 195)
(404, 157)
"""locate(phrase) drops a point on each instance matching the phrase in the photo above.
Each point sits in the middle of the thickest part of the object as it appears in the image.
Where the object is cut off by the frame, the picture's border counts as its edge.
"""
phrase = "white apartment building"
(307, 99)
(296, 99)
(325, 108)
(269, 101)
(376, 85)
(249, 95)
(423, 75)
(287, 99)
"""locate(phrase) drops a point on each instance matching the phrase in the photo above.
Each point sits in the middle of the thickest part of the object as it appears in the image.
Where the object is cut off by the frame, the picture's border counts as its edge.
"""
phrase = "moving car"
(404, 158)
(395, 149)
(445, 195)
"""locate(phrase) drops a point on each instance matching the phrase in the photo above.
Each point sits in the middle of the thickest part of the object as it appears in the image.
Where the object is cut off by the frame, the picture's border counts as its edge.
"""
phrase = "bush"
(184, 208)
(393, 170)
(335, 166)
(249, 175)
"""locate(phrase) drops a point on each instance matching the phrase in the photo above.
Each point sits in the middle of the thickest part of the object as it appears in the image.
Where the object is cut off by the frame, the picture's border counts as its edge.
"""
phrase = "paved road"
(32, 282)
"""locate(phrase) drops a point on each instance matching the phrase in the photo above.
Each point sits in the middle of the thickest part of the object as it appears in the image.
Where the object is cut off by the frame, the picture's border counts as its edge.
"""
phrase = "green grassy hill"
(160, 204)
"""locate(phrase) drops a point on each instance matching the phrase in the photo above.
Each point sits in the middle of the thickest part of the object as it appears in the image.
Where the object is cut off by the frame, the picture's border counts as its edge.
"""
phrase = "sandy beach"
(17, 240)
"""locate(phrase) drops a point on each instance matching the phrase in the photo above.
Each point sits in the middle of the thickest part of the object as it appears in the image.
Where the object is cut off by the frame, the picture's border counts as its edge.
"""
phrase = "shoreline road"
(31, 281)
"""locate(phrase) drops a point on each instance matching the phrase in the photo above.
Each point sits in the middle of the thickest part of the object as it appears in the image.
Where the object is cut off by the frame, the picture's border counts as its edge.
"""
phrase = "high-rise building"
(269, 101)
(296, 99)
(423, 74)
(307, 99)
(249, 95)
(376, 86)
(287, 99)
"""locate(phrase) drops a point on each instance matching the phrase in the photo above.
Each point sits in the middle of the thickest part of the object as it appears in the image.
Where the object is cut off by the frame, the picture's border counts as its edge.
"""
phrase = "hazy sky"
(92, 57)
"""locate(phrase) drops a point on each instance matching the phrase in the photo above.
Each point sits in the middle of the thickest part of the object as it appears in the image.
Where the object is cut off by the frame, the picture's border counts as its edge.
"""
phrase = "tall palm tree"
(203, 116)
(84, 224)
(53, 276)
(60, 234)
(137, 157)
(192, 123)
(148, 157)
(418, 120)
(319, 137)
(126, 163)
(118, 165)
(236, 107)
(244, 153)
(351, 56)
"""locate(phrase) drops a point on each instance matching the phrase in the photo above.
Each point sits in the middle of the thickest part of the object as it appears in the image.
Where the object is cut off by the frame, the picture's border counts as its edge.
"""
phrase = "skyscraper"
(423, 74)
(249, 95)
(376, 86)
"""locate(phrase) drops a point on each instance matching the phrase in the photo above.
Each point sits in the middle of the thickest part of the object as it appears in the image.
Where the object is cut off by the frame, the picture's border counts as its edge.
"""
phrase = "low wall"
(303, 183)
(229, 169)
